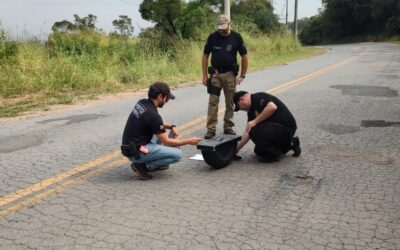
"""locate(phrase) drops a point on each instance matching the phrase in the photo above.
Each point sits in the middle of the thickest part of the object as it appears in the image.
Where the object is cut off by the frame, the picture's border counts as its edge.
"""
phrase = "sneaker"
(296, 146)
(141, 171)
(229, 131)
(209, 135)
(165, 167)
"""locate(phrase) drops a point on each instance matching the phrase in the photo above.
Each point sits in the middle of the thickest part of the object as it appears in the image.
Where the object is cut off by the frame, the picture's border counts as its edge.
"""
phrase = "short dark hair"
(160, 88)
(236, 98)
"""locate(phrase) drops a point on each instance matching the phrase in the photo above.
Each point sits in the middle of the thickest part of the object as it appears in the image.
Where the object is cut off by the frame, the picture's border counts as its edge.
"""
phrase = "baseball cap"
(236, 98)
(223, 22)
(158, 88)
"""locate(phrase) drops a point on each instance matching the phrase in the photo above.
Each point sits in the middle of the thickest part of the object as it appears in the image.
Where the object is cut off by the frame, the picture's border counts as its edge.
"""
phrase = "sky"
(23, 19)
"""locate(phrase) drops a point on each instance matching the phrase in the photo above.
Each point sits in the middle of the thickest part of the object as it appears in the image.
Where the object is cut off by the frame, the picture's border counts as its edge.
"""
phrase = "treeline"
(175, 21)
(180, 19)
(342, 20)
(79, 59)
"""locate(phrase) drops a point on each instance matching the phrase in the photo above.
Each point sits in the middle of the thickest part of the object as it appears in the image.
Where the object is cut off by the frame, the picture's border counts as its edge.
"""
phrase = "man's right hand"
(204, 81)
(194, 140)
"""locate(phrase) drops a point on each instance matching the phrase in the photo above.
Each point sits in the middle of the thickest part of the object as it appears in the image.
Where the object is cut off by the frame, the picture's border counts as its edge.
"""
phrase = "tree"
(86, 23)
(164, 13)
(124, 26)
(63, 26)
(178, 18)
(259, 12)
(341, 19)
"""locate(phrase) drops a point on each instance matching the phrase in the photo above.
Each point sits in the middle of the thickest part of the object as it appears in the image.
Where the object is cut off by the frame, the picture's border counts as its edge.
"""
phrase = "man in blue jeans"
(145, 131)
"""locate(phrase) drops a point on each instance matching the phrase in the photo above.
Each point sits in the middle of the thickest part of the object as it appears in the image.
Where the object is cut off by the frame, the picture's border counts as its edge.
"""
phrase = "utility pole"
(295, 19)
(287, 11)
(227, 8)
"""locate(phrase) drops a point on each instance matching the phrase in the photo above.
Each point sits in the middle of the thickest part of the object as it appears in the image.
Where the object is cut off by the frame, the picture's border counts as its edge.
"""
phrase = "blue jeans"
(158, 155)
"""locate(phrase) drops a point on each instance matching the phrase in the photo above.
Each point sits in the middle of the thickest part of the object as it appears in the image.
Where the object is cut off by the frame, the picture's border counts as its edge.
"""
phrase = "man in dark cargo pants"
(270, 126)
(224, 45)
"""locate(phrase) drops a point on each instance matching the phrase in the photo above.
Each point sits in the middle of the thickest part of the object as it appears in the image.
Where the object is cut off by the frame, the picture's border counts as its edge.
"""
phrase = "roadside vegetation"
(79, 61)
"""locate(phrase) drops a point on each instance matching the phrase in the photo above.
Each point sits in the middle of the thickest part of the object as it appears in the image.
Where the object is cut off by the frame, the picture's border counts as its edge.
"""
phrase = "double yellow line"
(58, 183)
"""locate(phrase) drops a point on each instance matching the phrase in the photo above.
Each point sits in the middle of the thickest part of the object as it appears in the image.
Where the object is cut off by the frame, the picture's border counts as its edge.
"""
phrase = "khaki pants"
(226, 82)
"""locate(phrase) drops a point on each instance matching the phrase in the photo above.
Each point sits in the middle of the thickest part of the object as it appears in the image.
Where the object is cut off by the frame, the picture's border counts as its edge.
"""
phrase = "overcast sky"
(28, 18)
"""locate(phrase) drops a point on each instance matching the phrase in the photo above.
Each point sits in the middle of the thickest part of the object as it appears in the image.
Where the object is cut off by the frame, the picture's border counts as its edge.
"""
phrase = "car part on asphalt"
(219, 151)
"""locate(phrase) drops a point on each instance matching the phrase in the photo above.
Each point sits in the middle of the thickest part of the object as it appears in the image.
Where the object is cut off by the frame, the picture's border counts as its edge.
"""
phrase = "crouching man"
(145, 131)
(270, 126)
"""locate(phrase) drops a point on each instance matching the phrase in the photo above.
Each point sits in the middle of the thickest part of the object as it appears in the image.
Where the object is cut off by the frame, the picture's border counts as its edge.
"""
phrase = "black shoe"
(237, 158)
(141, 171)
(229, 131)
(164, 167)
(296, 146)
(209, 135)
(269, 159)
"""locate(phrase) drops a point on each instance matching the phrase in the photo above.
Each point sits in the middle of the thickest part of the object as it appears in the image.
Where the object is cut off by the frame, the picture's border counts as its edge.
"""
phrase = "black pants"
(271, 139)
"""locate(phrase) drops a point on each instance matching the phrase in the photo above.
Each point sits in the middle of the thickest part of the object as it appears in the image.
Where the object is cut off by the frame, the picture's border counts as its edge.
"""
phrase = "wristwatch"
(243, 76)
(173, 126)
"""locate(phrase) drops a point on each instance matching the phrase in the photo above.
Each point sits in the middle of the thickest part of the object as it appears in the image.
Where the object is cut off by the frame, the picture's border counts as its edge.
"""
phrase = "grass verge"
(34, 75)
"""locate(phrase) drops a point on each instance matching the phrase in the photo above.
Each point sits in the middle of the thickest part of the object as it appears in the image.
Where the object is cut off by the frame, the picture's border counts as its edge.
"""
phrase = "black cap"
(236, 98)
(158, 88)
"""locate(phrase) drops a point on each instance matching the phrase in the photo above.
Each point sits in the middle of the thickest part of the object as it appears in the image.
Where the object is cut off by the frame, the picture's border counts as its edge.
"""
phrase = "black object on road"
(219, 151)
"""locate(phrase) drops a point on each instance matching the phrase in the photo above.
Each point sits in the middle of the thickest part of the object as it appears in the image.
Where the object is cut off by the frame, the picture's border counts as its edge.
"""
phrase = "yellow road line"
(45, 183)
(286, 86)
(60, 188)
(189, 127)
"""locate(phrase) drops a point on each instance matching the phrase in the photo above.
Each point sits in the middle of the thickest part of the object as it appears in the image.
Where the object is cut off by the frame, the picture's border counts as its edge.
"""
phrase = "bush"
(8, 49)
(392, 27)
(75, 43)
(313, 32)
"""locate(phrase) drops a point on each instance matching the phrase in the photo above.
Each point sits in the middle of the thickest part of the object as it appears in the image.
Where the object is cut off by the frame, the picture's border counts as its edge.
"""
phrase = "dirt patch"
(101, 99)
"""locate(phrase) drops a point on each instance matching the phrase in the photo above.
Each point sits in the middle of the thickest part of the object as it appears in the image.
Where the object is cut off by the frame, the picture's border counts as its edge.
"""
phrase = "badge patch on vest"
(138, 110)
(229, 48)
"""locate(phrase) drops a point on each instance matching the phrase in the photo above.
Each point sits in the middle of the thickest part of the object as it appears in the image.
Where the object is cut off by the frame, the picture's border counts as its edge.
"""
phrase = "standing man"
(223, 45)
(145, 131)
(270, 126)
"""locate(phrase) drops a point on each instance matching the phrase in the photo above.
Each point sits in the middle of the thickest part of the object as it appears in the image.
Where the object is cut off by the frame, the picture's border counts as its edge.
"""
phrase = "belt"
(224, 70)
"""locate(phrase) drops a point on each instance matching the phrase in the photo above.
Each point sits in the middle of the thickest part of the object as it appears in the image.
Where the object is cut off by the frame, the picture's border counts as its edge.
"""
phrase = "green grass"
(85, 65)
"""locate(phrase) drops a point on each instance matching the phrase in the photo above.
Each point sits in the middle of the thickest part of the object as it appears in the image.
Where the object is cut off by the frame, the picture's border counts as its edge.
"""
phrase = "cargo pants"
(226, 82)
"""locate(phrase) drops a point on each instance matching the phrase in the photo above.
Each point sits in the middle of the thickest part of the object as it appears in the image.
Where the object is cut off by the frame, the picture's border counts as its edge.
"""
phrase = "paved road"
(65, 186)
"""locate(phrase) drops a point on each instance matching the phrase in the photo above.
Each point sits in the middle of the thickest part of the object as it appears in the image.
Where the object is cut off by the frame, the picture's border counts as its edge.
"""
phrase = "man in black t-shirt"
(145, 131)
(270, 125)
(224, 45)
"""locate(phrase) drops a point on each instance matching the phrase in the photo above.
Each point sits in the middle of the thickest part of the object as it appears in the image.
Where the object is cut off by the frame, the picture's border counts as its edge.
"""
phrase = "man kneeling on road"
(270, 126)
(145, 131)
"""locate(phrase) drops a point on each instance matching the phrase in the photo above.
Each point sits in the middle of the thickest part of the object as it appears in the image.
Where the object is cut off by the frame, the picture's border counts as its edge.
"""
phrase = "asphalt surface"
(64, 184)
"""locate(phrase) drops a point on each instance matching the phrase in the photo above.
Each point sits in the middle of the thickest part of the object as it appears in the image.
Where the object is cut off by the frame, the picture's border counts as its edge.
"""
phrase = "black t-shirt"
(224, 49)
(143, 122)
(282, 115)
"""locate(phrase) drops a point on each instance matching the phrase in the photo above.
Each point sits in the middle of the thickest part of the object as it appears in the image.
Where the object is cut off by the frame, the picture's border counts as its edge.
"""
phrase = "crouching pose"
(270, 126)
(145, 131)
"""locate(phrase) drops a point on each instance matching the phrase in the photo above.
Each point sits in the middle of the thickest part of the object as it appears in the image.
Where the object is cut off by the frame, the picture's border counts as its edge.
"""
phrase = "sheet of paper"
(197, 157)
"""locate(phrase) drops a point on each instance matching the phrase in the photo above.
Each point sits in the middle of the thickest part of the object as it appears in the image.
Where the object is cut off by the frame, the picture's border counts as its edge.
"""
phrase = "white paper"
(197, 157)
